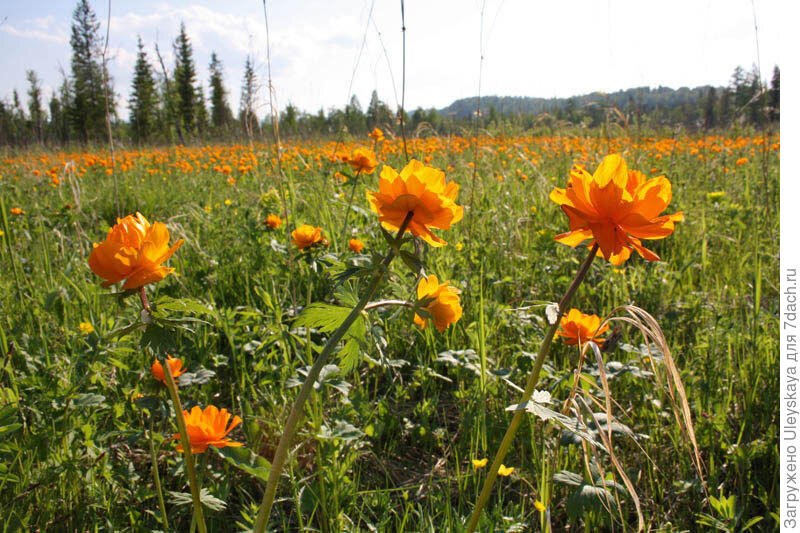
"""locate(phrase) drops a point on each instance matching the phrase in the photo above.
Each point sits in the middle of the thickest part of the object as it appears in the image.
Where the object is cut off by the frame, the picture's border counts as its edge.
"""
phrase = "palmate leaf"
(206, 498)
(244, 459)
(572, 425)
(343, 430)
(325, 318)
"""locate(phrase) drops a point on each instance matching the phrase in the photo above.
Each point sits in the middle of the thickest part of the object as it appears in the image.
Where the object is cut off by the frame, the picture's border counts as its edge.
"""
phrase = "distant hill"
(645, 98)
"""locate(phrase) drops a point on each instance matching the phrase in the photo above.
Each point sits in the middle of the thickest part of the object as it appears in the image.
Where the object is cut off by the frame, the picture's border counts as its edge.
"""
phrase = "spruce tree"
(35, 110)
(185, 82)
(774, 97)
(247, 102)
(142, 102)
(88, 105)
(221, 115)
(708, 112)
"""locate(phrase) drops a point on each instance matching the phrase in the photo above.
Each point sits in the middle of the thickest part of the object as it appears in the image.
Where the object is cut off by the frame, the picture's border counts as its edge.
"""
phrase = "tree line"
(170, 106)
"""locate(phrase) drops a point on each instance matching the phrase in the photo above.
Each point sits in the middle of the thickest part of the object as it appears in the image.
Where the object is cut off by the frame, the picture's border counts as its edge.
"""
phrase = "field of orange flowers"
(493, 333)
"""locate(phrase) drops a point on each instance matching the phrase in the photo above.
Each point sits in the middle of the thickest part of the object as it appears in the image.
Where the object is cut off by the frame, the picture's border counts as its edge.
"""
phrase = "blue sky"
(530, 48)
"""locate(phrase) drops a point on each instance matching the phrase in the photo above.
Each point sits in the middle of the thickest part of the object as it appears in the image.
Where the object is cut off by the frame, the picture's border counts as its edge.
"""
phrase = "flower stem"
(533, 379)
(143, 298)
(387, 303)
(157, 480)
(187, 448)
(296, 413)
(350, 203)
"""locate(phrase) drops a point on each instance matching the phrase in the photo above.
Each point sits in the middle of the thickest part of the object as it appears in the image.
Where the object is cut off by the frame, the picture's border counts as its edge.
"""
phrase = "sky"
(322, 51)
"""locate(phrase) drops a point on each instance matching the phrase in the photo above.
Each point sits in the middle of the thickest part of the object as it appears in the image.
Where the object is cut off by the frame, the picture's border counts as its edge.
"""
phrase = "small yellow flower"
(534, 209)
(459, 246)
(539, 506)
(228, 202)
(2, 233)
(715, 195)
(207, 209)
(505, 470)
(479, 463)
(85, 328)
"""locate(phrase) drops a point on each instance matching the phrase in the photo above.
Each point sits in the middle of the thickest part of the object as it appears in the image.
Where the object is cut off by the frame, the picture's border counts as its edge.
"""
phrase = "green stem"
(350, 203)
(157, 480)
(187, 448)
(533, 379)
(296, 413)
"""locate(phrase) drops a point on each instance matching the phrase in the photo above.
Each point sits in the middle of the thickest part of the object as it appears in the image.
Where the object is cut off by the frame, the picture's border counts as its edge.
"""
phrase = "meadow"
(396, 428)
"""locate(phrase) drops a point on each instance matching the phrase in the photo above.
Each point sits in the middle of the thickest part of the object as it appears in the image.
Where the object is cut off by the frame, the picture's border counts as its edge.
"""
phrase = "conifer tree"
(185, 82)
(35, 110)
(774, 97)
(87, 107)
(142, 102)
(221, 115)
(247, 102)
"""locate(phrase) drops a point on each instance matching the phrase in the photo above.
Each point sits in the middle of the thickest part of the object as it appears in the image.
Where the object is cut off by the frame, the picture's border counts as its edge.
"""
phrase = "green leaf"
(343, 430)
(199, 377)
(327, 318)
(206, 498)
(9, 428)
(243, 459)
(413, 262)
(88, 400)
(182, 305)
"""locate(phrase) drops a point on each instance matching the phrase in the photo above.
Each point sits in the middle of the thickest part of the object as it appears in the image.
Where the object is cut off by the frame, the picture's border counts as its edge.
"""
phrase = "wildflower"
(742, 161)
(420, 190)
(443, 304)
(208, 427)
(339, 176)
(133, 251)
(228, 202)
(579, 328)
(479, 463)
(715, 195)
(376, 135)
(17, 211)
(175, 368)
(85, 328)
(363, 160)
(505, 470)
(356, 245)
(615, 207)
(273, 221)
(539, 506)
(459, 246)
(306, 236)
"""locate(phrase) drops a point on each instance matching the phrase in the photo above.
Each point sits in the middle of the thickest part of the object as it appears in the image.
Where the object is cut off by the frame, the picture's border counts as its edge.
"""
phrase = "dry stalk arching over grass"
(653, 335)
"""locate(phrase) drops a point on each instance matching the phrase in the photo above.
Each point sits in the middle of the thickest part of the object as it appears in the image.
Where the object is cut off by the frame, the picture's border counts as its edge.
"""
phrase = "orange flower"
(742, 161)
(577, 328)
(420, 189)
(443, 304)
(356, 245)
(363, 160)
(175, 368)
(273, 221)
(208, 427)
(306, 236)
(376, 135)
(615, 207)
(17, 211)
(133, 250)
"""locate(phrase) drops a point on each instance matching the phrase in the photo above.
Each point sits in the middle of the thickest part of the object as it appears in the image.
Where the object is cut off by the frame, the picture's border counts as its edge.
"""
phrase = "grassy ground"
(389, 438)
